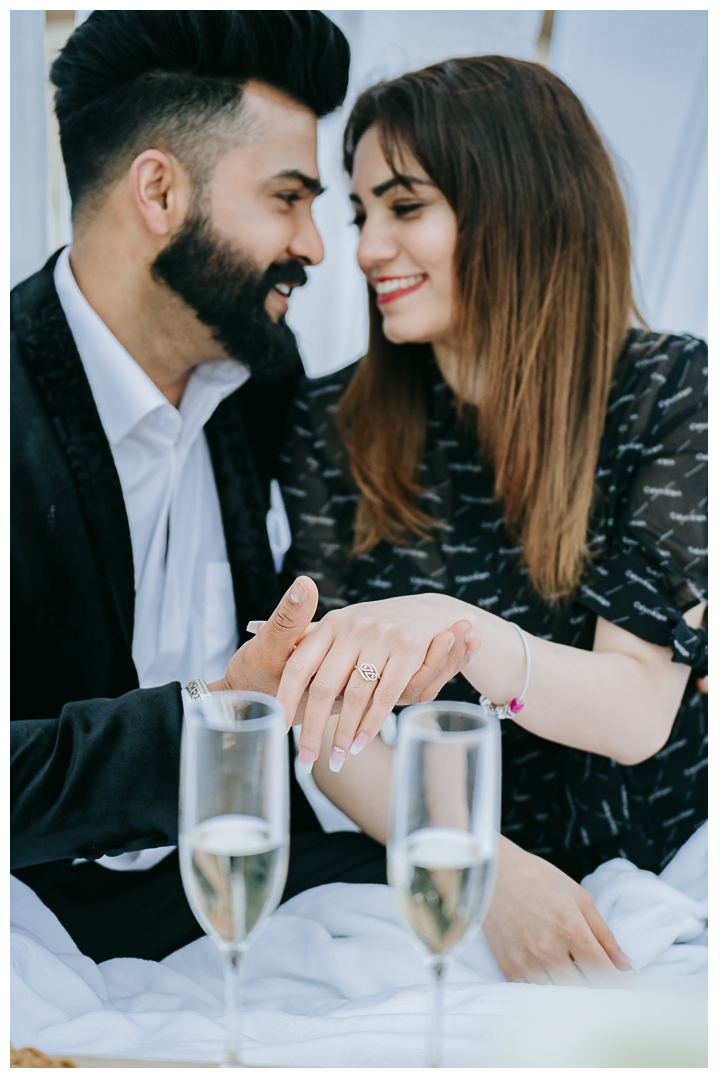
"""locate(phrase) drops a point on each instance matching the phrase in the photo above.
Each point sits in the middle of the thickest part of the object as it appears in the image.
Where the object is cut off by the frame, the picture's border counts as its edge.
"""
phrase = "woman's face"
(407, 242)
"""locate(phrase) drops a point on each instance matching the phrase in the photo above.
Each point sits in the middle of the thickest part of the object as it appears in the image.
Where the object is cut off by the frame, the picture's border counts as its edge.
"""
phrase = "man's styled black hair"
(129, 80)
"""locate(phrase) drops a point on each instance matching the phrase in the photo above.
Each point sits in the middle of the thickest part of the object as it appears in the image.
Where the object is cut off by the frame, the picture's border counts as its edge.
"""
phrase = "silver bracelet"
(509, 711)
(197, 689)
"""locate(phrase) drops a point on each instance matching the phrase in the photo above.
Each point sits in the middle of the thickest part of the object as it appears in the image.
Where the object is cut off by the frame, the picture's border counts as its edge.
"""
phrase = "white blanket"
(333, 980)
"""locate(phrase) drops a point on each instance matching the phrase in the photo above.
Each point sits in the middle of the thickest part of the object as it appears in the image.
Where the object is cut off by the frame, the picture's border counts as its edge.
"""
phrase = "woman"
(510, 449)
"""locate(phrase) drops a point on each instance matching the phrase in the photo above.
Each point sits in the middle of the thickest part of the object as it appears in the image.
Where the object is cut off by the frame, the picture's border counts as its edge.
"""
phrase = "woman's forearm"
(619, 700)
(362, 789)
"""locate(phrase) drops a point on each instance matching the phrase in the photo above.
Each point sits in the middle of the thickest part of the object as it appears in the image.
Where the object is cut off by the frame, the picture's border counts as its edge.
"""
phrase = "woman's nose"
(377, 247)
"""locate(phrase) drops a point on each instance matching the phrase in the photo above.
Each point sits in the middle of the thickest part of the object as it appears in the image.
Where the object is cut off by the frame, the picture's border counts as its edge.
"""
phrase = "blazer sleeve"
(101, 779)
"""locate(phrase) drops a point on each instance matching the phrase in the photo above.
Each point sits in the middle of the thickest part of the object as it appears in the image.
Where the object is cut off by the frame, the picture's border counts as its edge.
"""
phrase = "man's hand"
(258, 664)
(543, 927)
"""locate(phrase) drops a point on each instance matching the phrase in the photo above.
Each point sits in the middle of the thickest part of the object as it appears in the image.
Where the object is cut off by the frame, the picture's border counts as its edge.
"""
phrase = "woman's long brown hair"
(544, 301)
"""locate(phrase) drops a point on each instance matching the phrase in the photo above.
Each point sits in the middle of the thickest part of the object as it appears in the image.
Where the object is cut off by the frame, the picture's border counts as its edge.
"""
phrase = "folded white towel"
(333, 980)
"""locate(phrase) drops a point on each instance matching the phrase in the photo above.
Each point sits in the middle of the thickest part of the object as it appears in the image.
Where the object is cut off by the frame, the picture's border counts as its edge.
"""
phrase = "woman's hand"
(393, 635)
(259, 663)
(542, 926)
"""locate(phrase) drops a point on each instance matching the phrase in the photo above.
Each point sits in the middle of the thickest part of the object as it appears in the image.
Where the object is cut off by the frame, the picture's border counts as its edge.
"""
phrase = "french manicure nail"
(337, 759)
(299, 594)
(254, 625)
(629, 961)
(467, 636)
(452, 642)
(360, 742)
(306, 759)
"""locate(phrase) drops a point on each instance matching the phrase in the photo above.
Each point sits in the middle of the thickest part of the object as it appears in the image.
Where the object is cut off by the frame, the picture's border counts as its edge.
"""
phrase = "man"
(151, 370)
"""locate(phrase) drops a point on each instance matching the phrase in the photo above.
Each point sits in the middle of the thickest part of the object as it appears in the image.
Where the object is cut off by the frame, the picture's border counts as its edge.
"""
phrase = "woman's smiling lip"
(392, 288)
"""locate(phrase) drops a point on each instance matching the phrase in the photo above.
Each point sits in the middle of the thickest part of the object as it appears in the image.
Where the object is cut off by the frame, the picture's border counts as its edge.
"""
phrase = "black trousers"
(144, 913)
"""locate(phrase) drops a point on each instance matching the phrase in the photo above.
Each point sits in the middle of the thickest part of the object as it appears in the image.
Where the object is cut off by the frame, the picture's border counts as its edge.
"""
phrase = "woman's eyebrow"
(406, 181)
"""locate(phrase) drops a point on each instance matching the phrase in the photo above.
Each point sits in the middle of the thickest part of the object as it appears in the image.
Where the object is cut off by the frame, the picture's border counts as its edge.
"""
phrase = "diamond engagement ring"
(368, 671)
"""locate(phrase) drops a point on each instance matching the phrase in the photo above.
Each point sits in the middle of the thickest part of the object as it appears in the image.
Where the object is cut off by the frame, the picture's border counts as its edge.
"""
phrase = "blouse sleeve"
(651, 523)
(318, 492)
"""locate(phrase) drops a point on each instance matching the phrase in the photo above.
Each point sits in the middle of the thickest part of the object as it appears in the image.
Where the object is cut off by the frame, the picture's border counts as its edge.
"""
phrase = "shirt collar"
(123, 393)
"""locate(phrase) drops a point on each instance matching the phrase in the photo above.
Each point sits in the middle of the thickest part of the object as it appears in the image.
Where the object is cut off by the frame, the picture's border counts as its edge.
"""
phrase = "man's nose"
(307, 245)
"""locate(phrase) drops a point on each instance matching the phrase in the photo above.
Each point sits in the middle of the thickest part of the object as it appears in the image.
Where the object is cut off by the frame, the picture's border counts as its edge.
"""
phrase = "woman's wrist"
(498, 670)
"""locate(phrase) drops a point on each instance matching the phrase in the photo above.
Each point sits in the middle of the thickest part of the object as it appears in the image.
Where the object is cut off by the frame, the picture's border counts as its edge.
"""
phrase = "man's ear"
(160, 189)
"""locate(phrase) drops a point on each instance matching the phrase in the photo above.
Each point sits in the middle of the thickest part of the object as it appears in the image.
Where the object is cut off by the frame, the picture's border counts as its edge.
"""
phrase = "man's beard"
(227, 292)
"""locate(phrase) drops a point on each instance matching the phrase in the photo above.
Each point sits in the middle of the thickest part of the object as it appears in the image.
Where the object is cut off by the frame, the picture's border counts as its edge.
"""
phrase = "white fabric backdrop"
(642, 74)
(643, 77)
(29, 218)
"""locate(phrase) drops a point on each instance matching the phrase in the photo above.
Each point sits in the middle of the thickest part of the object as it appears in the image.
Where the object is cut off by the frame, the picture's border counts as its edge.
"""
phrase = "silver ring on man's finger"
(368, 671)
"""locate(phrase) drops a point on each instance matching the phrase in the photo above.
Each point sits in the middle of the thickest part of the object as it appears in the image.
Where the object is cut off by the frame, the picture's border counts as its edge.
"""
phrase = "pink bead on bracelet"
(509, 711)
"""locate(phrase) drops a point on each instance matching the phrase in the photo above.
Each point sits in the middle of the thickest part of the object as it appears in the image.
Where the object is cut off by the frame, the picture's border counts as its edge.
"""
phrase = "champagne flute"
(234, 827)
(442, 854)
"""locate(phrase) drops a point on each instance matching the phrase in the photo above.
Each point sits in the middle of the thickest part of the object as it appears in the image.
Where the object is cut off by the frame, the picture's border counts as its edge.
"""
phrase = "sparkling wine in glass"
(442, 854)
(234, 826)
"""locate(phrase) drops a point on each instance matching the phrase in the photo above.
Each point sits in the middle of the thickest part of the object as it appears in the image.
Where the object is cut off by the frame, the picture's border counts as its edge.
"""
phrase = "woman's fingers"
(560, 972)
(331, 680)
(604, 935)
(433, 664)
(356, 699)
(301, 666)
(444, 658)
(565, 974)
(456, 662)
(354, 731)
(594, 962)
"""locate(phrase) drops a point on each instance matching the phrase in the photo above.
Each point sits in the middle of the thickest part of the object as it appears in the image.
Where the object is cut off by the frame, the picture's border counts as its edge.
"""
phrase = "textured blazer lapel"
(54, 364)
(244, 506)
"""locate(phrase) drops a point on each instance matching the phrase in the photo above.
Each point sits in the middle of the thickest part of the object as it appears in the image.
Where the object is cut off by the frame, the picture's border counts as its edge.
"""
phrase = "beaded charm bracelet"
(508, 712)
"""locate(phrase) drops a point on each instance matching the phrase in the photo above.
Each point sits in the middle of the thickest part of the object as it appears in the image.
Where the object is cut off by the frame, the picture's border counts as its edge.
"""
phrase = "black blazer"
(95, 760)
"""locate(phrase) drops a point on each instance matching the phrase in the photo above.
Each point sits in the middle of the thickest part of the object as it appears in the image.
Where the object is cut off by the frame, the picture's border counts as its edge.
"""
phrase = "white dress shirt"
(185, 620)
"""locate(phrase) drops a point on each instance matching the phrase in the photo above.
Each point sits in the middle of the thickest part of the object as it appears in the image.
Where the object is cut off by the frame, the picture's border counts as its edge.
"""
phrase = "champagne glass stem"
(233, 988)
(435, 1038)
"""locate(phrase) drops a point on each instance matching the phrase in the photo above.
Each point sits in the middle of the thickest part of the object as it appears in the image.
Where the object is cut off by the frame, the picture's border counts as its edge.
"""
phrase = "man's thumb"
(290, 618)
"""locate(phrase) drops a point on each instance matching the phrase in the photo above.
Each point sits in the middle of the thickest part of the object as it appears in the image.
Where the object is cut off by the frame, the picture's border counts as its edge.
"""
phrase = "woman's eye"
(290, 197)
(402, 209)
(358, 220)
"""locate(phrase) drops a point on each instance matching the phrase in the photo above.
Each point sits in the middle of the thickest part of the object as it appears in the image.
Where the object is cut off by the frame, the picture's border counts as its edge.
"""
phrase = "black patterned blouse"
(649, 532)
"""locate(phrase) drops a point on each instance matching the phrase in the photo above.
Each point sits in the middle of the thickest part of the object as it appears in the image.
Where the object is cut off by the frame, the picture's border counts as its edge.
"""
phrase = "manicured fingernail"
(254, 625)
(360, 742)
(452, 642)
(473, 653)
(629, 961)
(306, 759)
(337, 759)
(299, 593)
(467, 636)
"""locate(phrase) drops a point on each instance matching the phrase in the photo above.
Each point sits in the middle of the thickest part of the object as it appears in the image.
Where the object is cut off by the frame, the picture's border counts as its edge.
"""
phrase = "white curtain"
(30, 242)
(641, 74)
(643, 77)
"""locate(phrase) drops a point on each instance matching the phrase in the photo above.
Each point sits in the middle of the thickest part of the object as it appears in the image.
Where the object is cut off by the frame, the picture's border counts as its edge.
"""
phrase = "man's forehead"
(276, 138)
(266, 108)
